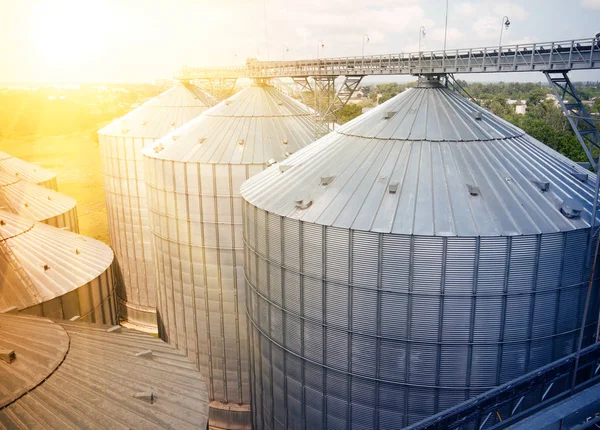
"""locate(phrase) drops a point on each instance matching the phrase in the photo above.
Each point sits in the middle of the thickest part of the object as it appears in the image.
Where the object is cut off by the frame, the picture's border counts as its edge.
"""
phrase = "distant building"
(521, 109)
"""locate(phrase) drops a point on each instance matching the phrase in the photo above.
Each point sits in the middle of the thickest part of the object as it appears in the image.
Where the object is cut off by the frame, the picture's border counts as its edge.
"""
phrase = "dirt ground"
(75, 158)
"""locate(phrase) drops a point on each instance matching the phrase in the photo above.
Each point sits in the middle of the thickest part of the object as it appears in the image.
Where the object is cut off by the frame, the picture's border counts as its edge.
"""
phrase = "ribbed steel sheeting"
(121, 144)
(30, 172)
(193, 177)
(76, 375)
(51, 272)
(415, 257)
(37, 203)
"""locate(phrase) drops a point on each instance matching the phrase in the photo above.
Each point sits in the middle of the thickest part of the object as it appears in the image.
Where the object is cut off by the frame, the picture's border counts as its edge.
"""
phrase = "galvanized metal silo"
(413, 258)
(121, 144)
(52, 272)
(27, 171)
(193, 177)
(37, 203)
(69, 374)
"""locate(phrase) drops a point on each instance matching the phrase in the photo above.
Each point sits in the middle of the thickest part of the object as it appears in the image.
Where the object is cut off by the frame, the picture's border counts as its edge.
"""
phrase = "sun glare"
(63, 34)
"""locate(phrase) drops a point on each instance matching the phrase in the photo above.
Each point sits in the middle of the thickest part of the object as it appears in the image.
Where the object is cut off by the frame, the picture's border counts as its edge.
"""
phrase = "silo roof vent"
(326, 180)
(477, 116)
(271, 161)
(571, 208)
(579, 176)
(287, 154)
(241, 142)
(542, 185)
(303, 204)
(393, 187)
(146, 396)
(8, 355)
(473, 190)
(201, 140)
(147, 353)
(388, 115)
(285, 141)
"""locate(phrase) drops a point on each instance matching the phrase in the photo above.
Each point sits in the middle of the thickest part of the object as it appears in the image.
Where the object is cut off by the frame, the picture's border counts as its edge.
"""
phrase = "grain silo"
(37, 203)
(121, 143)
(30, 172)
(65, 374)
(193, 177)
(417, 256)
(52, 272)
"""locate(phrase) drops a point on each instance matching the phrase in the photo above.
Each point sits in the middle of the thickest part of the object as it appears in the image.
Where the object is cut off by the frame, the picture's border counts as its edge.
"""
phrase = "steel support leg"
(576, 114)
(220, 88)
(455, 86)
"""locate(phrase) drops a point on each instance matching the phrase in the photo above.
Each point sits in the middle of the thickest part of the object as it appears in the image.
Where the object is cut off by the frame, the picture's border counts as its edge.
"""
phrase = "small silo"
(52, 272)
(417, 256)
(27, 171)
(121, 143)
(37, 203)
(69, 374)
(193, 177)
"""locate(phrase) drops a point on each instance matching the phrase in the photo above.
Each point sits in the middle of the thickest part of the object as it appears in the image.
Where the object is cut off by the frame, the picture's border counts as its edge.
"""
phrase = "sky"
(141, 40)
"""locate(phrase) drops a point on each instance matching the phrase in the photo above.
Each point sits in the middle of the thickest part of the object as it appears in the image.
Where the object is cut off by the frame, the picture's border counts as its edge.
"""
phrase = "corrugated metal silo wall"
(196, 221)
(382, 330)
(94, 302)
(67, 220)
(129, 230)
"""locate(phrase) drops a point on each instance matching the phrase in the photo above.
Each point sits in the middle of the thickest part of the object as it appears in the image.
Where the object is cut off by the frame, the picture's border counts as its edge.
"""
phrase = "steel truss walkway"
(579, 54)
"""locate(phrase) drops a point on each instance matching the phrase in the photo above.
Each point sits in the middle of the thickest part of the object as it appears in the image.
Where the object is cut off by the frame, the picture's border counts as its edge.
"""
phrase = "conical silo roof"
(254, 126)
(162, 114)
(49, 271)
(428, 162)
(37, 203)
(67, 374)
(30, 172)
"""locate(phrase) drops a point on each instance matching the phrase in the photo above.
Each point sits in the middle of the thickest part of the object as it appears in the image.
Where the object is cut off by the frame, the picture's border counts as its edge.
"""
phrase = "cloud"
(453, 36)
(590, 4)
(514, 11)
(465, 9)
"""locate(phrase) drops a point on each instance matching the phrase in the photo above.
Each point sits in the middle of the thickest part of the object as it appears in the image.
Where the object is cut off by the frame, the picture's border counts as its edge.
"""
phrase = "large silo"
(37, 203)
(68, 374)
(417, 256)
(52, 272)
(30, 172)
(121, 143)
(193, 177)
